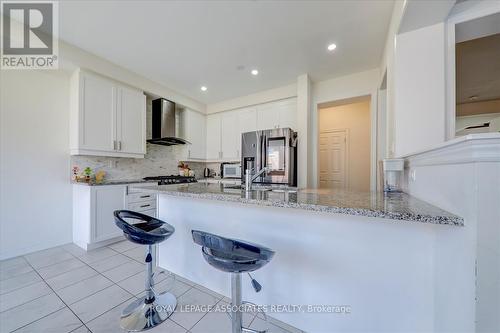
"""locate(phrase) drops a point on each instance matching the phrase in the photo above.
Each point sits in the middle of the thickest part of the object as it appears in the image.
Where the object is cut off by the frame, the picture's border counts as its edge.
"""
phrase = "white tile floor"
(65, 289)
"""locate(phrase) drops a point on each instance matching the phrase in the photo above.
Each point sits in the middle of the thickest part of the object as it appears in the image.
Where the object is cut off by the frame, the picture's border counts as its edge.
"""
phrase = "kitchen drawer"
(142, 206)
(150, 212)
(140, 197)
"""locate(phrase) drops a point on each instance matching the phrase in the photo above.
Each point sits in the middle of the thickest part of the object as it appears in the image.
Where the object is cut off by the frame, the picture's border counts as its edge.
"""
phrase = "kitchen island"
(366, 252)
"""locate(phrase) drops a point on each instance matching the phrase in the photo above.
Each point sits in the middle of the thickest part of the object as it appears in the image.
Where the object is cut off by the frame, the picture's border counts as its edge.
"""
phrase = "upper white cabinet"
(107, 118)
(214, 136)
(224, 133)
(193, 129)
(247, 122)
(229, 135)
(280, 114)
(224, 129)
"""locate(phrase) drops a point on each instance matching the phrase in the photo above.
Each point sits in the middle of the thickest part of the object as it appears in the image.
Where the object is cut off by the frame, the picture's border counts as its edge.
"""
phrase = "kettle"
(206, 172)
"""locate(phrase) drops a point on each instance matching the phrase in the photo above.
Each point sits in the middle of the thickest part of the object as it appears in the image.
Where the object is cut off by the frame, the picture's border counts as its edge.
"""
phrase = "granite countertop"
(395, 206)
(116, 182)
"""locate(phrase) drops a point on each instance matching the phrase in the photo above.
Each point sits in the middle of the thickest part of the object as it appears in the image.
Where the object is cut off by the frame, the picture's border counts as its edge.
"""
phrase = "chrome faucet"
(249, 179)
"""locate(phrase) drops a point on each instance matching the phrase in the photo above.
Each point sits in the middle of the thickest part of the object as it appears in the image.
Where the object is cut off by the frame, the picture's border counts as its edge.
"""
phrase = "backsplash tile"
(159, 160)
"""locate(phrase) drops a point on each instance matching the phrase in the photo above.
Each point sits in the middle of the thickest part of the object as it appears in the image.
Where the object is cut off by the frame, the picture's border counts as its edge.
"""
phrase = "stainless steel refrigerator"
(275, 149)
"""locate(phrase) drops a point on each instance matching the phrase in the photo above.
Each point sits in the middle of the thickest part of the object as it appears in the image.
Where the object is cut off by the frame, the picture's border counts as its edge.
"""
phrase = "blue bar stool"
(152, 309)
(235, 257)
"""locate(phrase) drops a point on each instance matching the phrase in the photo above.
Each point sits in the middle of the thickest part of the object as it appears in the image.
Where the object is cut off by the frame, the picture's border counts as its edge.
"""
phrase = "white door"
(229, 135)
(195, 133)
(131, 123)
(106, 199)
(98, 113)
(333, 159)
(213, 137)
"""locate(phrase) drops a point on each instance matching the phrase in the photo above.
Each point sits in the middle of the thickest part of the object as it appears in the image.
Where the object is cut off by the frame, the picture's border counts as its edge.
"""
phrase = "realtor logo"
(29, 35)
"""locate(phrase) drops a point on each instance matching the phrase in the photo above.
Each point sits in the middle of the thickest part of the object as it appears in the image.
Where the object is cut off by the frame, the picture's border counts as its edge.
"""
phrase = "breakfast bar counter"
(394, 206)
(334, 250)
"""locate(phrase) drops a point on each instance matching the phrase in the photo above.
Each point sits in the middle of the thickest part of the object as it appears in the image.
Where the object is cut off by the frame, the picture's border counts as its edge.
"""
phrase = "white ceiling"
(187, 44)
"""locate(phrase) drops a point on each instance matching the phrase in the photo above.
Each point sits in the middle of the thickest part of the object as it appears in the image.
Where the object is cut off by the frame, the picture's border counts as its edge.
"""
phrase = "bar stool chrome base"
(140, 316)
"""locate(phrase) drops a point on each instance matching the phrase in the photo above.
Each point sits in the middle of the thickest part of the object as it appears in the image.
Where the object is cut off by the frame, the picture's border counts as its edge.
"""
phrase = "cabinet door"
(105, 200)
(131, 122)
(97, 130)
(288, 114)
(229, 135)
(247, 122)
(213, 137)
(267, 116)
(195, 133)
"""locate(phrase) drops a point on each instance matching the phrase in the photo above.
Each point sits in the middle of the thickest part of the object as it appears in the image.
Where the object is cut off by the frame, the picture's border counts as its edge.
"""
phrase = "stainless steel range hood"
(163, 124)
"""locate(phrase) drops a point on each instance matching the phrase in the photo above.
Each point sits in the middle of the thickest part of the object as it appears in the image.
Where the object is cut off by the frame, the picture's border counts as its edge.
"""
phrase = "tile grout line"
(190, 285)
(56, 310)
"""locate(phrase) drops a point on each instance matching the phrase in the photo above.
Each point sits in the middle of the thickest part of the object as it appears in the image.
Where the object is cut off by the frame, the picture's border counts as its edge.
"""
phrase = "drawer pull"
(145, 196)
(145, 206)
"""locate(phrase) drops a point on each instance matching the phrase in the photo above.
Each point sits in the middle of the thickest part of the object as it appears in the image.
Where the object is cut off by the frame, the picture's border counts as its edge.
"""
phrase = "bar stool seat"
(152, 309)
(233, 256)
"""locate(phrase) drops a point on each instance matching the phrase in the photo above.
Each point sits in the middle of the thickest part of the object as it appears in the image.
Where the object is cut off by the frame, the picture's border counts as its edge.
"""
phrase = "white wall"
(35, 193)
(345, 87)
(420, 94)
(254, 99)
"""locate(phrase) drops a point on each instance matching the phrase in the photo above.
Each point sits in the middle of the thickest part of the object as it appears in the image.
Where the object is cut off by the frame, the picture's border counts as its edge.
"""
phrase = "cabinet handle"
(114, 144)
(119, 145)
(189, 153)
(145, 196)
(145, 206)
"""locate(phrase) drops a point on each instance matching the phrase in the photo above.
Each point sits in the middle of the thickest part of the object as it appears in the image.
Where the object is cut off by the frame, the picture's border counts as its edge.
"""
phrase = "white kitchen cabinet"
(287, 113)
(193, 129)
(229, 136)
(107, 118)
(213, 137)
(278, 114)
(131, 121)
(267, 117)
(247, 122)
(93, 207)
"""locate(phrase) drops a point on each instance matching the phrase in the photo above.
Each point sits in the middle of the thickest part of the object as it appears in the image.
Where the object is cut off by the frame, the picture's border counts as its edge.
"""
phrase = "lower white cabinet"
(93, 207)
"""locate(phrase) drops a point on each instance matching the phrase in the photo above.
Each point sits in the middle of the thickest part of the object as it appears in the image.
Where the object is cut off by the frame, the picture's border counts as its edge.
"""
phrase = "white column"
(304, 161)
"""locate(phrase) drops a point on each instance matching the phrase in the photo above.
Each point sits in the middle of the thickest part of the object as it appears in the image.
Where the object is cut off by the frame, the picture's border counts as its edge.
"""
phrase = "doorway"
(344, 150)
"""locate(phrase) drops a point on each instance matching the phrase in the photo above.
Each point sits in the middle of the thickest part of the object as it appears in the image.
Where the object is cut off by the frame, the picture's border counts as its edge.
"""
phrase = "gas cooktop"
(166, 180)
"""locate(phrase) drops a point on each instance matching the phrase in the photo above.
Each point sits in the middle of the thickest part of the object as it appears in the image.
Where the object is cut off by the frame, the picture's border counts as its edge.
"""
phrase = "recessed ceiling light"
(254, 72)
(203, 88)
(332, 47)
